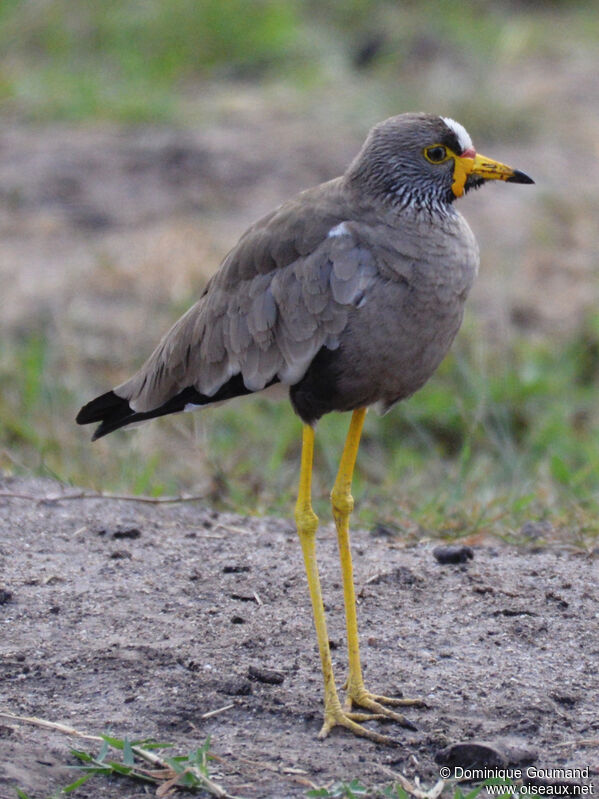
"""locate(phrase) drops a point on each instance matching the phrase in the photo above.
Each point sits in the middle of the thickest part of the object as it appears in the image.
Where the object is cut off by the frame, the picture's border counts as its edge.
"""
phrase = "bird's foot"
(335, 716)
(358, 696)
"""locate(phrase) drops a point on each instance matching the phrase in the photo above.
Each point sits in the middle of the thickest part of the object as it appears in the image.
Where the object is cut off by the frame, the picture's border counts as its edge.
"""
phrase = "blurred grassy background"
(199, 116)
(132, 62)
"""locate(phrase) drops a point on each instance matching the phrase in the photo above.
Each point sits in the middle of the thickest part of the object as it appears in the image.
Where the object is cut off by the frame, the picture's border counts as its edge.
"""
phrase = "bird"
(346, 296)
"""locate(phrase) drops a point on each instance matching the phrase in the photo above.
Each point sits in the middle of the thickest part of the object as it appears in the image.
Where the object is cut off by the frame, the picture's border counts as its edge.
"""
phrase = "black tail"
(109, 409)
(113, 411)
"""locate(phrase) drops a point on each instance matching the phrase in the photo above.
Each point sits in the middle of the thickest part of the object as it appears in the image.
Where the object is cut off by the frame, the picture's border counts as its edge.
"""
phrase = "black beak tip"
(519, 177)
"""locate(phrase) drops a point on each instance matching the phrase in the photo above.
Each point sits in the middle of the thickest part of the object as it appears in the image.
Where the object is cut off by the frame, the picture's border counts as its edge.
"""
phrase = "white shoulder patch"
(338, 230)
(460, 131)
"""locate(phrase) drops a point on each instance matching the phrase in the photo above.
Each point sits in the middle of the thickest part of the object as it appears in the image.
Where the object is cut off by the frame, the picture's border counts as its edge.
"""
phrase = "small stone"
(130, 532)
(5, 596)
(268, 676)
(567, 700)
(243, 597)
(481, 754)
(120, 554)
(483, 589)
(236, 686)
(453, 554)
(550, 596)
(471, 754)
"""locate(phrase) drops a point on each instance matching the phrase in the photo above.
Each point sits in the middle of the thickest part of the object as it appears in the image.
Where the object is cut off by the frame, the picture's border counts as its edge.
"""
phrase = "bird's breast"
(405, 324)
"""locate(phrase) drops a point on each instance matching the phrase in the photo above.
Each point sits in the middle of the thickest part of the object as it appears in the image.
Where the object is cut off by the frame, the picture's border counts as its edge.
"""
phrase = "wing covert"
(266, 325)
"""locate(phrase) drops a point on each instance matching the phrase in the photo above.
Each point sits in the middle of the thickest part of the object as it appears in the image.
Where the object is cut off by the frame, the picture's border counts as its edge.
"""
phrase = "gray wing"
(264, 325)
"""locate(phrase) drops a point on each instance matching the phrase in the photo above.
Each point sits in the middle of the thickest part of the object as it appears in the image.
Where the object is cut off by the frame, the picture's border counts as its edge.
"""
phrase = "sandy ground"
(138, 619)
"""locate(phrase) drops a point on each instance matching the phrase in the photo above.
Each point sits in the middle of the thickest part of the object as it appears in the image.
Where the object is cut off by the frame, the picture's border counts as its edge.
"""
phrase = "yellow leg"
(343, 504)
(307, 524)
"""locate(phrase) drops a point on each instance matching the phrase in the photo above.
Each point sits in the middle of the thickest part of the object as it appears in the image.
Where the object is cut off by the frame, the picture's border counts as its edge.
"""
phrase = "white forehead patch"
(460, 131)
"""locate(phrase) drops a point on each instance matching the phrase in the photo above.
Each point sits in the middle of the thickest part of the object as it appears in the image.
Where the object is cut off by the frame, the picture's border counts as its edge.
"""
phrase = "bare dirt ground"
(138, 619)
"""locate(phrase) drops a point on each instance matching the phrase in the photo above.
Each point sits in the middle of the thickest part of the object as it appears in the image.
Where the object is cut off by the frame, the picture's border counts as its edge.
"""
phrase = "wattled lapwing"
(347, 295)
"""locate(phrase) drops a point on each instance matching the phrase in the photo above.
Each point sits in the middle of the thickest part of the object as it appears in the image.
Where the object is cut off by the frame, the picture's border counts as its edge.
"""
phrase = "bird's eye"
(435, 154)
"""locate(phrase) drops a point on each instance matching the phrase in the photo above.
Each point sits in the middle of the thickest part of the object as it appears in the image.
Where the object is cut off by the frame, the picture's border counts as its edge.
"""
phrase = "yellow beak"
(486, 168)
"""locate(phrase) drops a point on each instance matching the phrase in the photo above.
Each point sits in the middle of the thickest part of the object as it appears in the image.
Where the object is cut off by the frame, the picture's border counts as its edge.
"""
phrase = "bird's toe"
(349, 720)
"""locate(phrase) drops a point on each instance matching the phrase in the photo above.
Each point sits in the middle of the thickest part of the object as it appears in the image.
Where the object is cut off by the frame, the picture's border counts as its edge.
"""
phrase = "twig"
(211, 713)
(434, 792)
(373, 578)
(98, 495)
(53, 725)
(229, 528)
(580, 742)
(284, 772)
(257, 598)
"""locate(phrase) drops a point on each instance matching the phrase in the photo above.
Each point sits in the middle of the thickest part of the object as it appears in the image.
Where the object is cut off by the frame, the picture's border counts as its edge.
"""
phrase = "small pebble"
(5, 596)
(268, 676)
(453, 554)
(236, 686)
(120, 554)
(471, 754)
(131, 532)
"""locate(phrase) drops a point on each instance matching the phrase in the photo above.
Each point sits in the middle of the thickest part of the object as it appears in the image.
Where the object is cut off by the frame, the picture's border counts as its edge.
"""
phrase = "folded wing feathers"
(268, 326)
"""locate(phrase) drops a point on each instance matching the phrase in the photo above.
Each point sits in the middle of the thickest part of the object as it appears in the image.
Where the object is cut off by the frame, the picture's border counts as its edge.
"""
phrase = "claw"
(397, 702)
(360, 697)
(340, 718)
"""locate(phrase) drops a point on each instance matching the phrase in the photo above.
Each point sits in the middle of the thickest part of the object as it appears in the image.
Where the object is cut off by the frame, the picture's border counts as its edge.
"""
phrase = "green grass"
(133, 62)
(138, 761)
(500, 435)
(143, 762)
(125, 60)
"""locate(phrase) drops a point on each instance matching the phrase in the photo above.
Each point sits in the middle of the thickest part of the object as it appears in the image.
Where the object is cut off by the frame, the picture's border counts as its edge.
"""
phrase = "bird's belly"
(406, 358)
(383, 357)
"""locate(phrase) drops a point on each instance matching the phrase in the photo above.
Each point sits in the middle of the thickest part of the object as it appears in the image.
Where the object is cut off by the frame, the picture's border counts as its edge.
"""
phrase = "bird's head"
(424, 161)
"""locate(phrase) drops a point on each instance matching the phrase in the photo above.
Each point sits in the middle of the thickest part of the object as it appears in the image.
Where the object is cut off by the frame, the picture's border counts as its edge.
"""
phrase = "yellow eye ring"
(436, 154)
